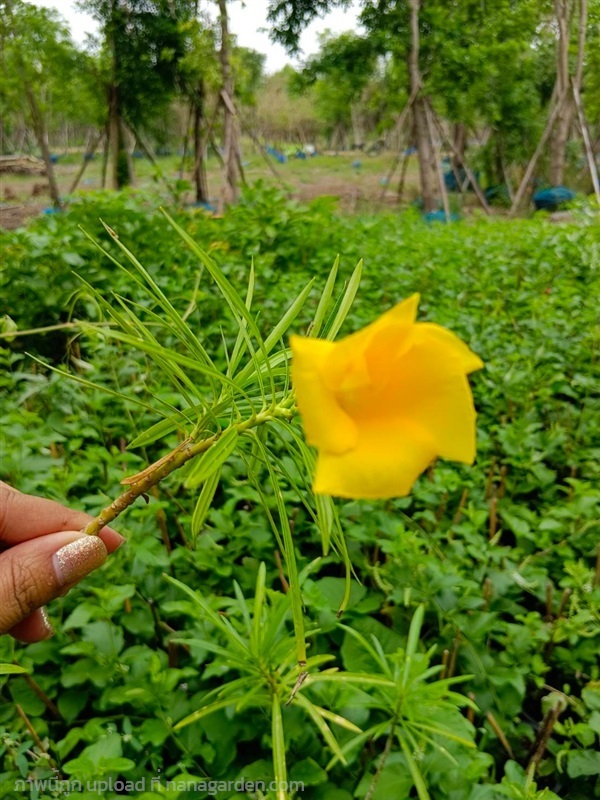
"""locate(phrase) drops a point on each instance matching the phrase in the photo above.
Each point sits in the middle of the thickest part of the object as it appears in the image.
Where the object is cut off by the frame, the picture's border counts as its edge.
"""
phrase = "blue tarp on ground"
(276, 154)
(454, 182)
(551, 199)
(439, 216)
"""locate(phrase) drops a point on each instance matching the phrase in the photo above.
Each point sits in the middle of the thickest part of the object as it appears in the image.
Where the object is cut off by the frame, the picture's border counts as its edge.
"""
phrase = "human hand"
(43, 554)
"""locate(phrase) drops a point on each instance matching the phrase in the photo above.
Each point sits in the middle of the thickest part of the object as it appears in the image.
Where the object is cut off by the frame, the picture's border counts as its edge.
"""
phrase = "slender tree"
(340, 73)
(558, 143)
(145, 40)
(232, 162)
(38, 59)
(422, 129)
(199, 79)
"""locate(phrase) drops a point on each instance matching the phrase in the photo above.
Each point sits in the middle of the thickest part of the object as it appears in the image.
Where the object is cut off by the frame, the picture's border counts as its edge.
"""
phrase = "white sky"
(246, 20)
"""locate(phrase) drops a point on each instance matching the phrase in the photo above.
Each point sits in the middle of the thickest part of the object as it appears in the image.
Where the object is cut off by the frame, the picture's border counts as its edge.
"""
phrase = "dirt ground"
(360, 182)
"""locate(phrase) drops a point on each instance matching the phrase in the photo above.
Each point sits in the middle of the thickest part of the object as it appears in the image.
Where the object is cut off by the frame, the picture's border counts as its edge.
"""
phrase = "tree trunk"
(231, 146)
(423, 140)
(186, 139)
(200, 179)
(583, 15)
(459, 136)
(558, 146)
(534, 158)
(357, 127)
(121, 172)
(105, 154)
(90, 148)
(121, 167)
(41, 134)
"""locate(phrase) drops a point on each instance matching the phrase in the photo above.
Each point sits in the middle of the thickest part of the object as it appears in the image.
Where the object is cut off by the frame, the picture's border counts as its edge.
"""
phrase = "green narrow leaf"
(259, 601)
(443, 733)
(182, 330)
(376, 654)
(261, 434)
(332, 534)
(350, 677)
(356, 742)
(243, 606)
(204, 502)
(279, 765)
(204, 712)
(178, 377)
(413, 640)
(290, 559)
(123, 397)
(275, 335)
(234, 301)
(289, 316)
(346, 303)
(212, 459)
(157, 350)
(218, 620)
(240, 342)
(314, 712)
(415, 772)
(11, 669)
(317, 322)
(256, 482)
(241, 663)
(155, 432)
(325, 513)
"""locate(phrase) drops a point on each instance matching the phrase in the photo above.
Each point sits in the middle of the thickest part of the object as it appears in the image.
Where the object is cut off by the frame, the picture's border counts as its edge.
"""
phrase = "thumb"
(36, 571)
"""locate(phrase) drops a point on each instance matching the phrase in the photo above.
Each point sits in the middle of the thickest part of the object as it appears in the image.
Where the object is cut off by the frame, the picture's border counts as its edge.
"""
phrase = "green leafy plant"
(494, 564)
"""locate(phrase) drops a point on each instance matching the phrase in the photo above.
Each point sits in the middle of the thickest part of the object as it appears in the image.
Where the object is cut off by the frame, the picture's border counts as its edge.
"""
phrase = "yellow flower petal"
(326, 424)
(429, 389)
(429, 331)
(381, 404)
(357, 360)
(358, 368)
(388, 458)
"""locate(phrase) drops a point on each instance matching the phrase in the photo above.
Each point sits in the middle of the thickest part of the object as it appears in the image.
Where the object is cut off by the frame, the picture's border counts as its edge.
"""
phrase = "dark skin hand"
(43, 554)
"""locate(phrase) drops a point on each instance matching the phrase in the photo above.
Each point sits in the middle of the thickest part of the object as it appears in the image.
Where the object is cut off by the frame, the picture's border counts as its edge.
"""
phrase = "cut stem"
(176, 459)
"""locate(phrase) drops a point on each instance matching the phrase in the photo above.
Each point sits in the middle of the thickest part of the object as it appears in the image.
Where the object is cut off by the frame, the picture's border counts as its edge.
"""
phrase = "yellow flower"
(381, 404)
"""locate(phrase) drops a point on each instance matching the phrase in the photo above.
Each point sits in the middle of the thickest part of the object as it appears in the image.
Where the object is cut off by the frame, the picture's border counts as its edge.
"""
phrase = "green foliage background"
(502, 555)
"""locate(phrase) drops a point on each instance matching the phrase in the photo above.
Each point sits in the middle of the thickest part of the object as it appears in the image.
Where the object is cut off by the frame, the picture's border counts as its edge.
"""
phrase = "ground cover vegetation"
(442, 645)
(464, 663)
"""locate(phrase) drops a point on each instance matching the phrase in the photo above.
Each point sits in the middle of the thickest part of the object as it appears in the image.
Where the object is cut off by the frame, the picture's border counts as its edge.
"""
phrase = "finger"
(23, 516)
(33, 628)
(34, 572)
